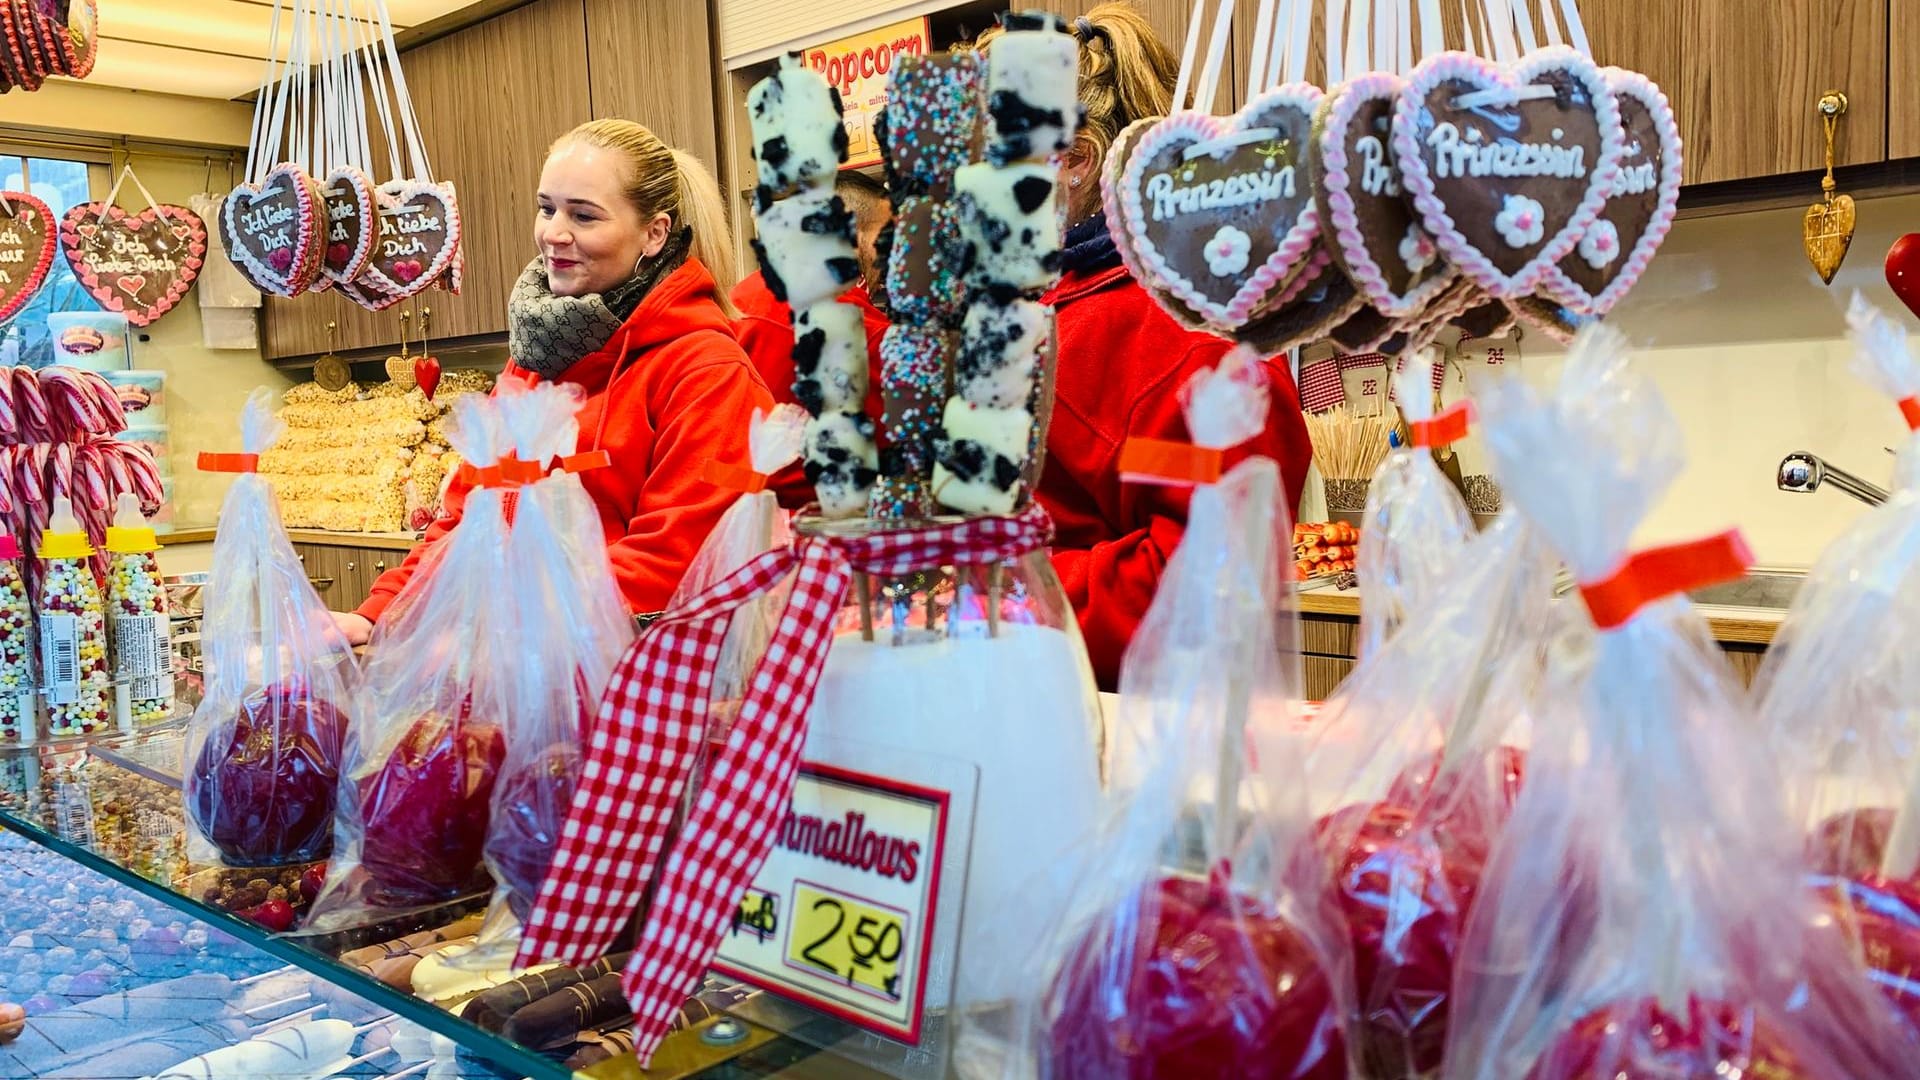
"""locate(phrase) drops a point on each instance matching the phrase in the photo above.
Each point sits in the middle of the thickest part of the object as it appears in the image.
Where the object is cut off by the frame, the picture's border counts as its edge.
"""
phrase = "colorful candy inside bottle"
(73, 631)
(137, 619)
(17, 690)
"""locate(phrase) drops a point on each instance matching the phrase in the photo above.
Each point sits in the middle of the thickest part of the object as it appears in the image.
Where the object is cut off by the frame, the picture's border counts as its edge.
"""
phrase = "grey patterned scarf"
(547, 334)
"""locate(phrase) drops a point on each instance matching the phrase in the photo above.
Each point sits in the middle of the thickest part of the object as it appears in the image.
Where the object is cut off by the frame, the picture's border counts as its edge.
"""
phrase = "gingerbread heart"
(140, 265)
(1549, 317)
(1366, 221)
(1507, 167)
(27, 241)
(1615, 250)
(273, 232)
(350, 226)
(419, 236)
(1219, 211)
(1111, 171)
(1328, 300)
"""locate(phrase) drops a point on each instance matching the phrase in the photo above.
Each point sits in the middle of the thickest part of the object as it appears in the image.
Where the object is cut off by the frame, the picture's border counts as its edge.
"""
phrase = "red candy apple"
(262, 786)
(1851, 844)
(529, 813)
(1218, 987)
(426, 809)
(1883, 917)
(1507, 770)
(1405, 888)
(1638, 1040)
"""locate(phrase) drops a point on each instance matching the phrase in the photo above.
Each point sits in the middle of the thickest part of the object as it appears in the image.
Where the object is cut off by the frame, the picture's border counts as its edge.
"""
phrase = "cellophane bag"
(1642, 916)
(425, 750)
(1838, 694)
(1200, 941)
(752, 526)
(565, 627)
(264, 745)
(1414, 768)
(1415, 524)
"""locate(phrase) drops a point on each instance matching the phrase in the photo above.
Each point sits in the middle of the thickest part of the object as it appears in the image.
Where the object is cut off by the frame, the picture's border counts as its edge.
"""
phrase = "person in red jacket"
(765, 325)
(1122, 361)
(628, 301)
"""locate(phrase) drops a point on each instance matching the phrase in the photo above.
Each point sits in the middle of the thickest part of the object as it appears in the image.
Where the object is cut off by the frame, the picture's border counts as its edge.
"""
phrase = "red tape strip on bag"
(734, 477)
(1161, 461)
(1910, 409)
(586, 462)
(1445, 429)
(229, 463)
(1658, 573)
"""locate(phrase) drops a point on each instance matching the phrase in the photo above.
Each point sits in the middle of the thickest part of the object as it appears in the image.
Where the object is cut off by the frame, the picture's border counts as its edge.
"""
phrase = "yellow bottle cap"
(64, 545)
(126, 541)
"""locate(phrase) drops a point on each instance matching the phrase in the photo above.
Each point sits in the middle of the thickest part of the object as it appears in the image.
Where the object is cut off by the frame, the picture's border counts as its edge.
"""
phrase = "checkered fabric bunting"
(642, 749)
(1320, 385)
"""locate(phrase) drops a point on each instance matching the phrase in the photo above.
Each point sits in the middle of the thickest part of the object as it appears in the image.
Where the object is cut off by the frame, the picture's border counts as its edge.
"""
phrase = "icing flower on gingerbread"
(1521, 221)
(1601, 244)
(1417, 249)
(1228, 252)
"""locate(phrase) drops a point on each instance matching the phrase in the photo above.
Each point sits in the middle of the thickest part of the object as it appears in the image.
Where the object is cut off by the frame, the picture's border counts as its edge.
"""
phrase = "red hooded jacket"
(671, 391)
(765, 330)
(1122, 363)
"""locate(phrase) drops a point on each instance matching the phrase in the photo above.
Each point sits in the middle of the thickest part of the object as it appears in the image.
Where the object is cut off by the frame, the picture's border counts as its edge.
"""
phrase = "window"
(61, 184)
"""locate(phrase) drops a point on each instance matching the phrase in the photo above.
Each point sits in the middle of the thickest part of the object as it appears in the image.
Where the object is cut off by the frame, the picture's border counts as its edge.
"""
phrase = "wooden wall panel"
(652, 61)
(1903, 79)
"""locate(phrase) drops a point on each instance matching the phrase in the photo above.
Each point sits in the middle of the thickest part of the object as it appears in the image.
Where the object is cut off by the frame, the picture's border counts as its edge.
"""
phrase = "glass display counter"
(113, 806)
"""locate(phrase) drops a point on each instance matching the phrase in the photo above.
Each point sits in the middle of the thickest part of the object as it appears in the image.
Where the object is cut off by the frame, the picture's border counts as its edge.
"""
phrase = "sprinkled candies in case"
(17, 690)
(73, 631)
(137, 613)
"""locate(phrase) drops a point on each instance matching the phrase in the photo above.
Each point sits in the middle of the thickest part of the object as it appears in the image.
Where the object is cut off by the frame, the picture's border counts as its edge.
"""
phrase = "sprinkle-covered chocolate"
(1032, 93)
(1009, 228)
(935, 106)
(806, 248)
(922, 283)
(829, 358)
(999, 353)
(799, 139)
(913, 384)
(980, 457)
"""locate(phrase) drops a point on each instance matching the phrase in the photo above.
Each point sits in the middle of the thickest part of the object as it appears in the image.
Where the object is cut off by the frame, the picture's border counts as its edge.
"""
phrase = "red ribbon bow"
(651, 721)
(1658, 573)
(229, 463)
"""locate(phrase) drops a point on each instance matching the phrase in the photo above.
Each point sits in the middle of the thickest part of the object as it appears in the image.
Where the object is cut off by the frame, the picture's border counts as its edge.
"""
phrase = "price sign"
(858, 67)
(843, 915)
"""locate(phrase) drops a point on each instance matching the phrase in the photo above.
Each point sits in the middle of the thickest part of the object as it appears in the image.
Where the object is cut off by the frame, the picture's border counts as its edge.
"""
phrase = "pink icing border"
(43, 262)
(1555, 282)
(1414, 175)
(1199, 126)
(1343, 211)
(294, 281)
(362, 186)
(399, 193)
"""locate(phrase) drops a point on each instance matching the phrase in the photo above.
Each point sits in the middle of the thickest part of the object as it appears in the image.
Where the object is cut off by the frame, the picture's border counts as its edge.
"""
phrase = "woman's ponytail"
(703, 210)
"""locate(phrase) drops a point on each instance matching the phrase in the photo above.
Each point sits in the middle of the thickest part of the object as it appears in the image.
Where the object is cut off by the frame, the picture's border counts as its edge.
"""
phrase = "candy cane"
(116, 467)
(60, 479)
(70, 403)
(106, 401)
(145, 473)
(93, 475)
(34, 420)
(27, 473)
(9, 421)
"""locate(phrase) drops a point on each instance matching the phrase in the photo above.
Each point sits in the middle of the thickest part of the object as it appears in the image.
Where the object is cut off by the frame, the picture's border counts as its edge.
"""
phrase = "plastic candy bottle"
(73, 630)
(137, 621)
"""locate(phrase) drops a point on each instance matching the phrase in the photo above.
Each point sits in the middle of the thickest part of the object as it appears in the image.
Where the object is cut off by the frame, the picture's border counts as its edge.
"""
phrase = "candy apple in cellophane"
(1413, 770)
(1643, 915)
(1200, 941)
(424, 754)
(1839, 696)
(264, 745)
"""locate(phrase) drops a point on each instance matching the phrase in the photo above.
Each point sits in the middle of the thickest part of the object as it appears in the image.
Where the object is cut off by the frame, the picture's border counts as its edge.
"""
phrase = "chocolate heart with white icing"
(272, 231)
(1616, 248)
(27, 242)
(350, 219)
(139, 265)
(1507, 167)
(1219, 211)
(1324, 302)
(419, 236)
(1111, 171)
(1364, 219)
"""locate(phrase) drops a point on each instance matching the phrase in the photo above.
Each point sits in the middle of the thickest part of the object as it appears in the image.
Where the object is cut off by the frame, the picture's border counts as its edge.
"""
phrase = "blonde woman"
(627, 300)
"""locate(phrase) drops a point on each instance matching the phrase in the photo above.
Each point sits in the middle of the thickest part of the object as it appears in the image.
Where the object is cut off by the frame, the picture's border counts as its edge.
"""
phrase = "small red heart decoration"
(339, 253)
(1903, 270)
(281, 259)
(426, 374)
(131, 284)
(408, 270)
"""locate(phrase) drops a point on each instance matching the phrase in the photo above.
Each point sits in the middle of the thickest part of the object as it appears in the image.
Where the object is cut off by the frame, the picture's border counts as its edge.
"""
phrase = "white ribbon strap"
(1187, 53)
(1257, 68)
(1207, 92)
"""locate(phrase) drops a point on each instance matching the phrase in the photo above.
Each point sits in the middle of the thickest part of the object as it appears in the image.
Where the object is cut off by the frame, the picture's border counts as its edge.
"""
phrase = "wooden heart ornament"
(1219, 211)
(1615, 250)
(1507, 167)
(350, 226)
(139, 265)
(1828, 233)
(273, 231)
(1364, 219)
(27, 241)
(419, 236)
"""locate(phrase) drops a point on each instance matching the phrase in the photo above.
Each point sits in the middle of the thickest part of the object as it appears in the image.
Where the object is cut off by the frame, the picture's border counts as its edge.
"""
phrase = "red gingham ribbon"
(642, 746)
(1658, 573)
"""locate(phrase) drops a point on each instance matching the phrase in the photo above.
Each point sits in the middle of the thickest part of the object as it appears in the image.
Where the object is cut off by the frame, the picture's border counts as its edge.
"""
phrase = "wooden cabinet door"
(1903, 79)
(1744, 77)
